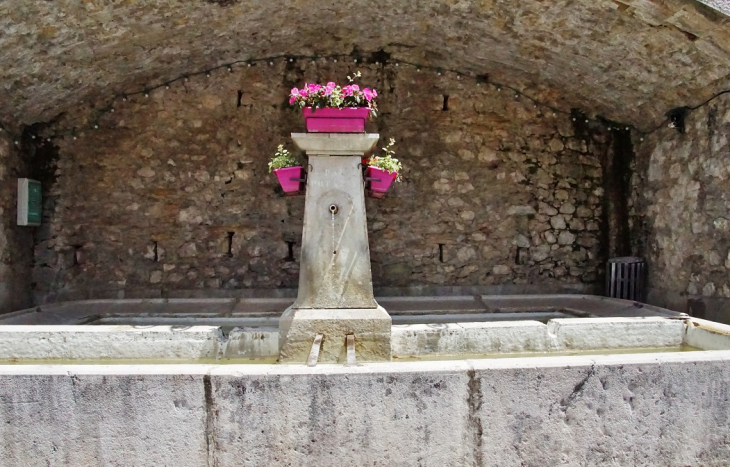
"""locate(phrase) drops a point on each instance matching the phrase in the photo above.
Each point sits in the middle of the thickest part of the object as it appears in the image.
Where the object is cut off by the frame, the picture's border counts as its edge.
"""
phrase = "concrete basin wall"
(637, 410)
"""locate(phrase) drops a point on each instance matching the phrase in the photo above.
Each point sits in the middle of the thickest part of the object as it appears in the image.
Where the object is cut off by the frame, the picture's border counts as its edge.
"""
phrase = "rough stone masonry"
(172, 191)
(16, 247)
(170, 195)
(681, 213)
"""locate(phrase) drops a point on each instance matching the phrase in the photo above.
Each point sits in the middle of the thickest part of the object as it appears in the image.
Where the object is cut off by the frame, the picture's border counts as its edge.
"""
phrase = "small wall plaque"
(29, 202)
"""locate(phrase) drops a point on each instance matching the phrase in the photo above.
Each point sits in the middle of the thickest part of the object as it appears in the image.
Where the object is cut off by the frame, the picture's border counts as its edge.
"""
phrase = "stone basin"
(241, 330)
(591, 381)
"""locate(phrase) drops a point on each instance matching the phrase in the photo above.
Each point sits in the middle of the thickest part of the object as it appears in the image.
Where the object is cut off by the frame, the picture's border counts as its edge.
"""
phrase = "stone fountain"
(335, 298)
(590, 380)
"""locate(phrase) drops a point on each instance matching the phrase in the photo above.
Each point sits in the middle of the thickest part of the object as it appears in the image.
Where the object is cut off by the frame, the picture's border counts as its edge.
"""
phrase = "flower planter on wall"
(291, 179)
(379, 181)
(331, 120)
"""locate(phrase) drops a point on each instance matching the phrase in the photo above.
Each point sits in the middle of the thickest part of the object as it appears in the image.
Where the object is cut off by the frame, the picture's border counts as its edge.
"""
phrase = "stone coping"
(460, 340)
(441, 366)
(249, 327)
(335, 144)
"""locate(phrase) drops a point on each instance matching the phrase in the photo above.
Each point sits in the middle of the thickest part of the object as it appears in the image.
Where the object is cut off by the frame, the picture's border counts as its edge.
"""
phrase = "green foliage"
(387, 162)
(283, 158)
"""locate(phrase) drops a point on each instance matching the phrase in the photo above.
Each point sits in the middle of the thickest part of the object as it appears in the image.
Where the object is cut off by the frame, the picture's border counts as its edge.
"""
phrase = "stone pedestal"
(335, 283)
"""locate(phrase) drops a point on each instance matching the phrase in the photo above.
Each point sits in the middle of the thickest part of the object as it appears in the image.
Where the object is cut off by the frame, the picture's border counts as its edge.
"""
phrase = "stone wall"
(682, 213)
(15, 242)
(171, 192)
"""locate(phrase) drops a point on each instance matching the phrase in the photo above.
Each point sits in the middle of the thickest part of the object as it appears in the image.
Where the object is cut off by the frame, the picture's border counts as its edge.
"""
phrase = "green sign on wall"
(29, 202)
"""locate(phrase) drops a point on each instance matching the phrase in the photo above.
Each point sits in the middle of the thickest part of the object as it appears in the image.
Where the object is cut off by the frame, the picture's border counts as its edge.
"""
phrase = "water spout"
(334, 246)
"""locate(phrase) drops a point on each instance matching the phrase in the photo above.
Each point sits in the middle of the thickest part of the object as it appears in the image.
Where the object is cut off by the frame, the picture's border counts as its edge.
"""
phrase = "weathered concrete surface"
(60, 418)
(611, 411)
(122, 342)
(606, 333)
(299, 326)
(557, 335)
(16, 243)
(365, 417)
(468, 338)
(681, 213)
(656, 55)
(668, 410)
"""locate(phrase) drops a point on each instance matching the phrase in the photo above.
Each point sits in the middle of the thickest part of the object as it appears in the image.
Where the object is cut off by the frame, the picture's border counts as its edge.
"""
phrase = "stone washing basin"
(592, 381)
(245, 330)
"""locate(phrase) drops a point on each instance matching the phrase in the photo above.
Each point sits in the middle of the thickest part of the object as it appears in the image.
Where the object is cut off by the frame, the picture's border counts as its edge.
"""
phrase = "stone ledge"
(39, 342)
(335, 144)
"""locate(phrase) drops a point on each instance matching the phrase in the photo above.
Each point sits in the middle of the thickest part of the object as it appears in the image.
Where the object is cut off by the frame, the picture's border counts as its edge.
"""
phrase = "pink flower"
(292, 100)
(331, 85)
(294, 91)
(368, 94)
(303, 92)
(355, 87)
(328, 91)
(375, 93)
(347, 90)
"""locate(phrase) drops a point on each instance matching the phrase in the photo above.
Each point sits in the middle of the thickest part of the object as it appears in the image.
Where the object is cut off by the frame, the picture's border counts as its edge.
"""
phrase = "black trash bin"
(625, 278)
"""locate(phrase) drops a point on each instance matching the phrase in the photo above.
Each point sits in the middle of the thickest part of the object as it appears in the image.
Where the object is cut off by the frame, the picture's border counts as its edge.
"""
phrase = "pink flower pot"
(381, 182)
(347, 120)
(290, 178)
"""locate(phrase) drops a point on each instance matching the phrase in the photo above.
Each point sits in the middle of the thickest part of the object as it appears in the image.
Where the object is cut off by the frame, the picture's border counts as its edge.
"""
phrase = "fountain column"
(335, 297)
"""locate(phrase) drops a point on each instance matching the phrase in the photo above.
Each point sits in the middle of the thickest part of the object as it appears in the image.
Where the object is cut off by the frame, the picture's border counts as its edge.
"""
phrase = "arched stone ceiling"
(628, 60)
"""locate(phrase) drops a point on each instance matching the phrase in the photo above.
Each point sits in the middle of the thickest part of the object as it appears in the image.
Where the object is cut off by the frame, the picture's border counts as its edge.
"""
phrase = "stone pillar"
(335, 283)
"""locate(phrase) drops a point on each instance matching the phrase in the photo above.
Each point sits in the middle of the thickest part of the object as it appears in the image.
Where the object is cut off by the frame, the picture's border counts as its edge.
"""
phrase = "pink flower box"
(382, 181)
(331, 120)
(290, 178)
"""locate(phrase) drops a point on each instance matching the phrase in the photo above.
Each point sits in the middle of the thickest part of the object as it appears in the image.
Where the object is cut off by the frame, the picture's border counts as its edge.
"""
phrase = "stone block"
(595, 412)
(607, 333)
(67, 418)
(298, 328)
(335, 144)
(358, 416)
(66, 342)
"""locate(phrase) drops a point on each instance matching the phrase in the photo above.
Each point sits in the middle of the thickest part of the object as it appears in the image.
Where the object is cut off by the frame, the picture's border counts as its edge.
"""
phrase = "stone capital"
(335, 144)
